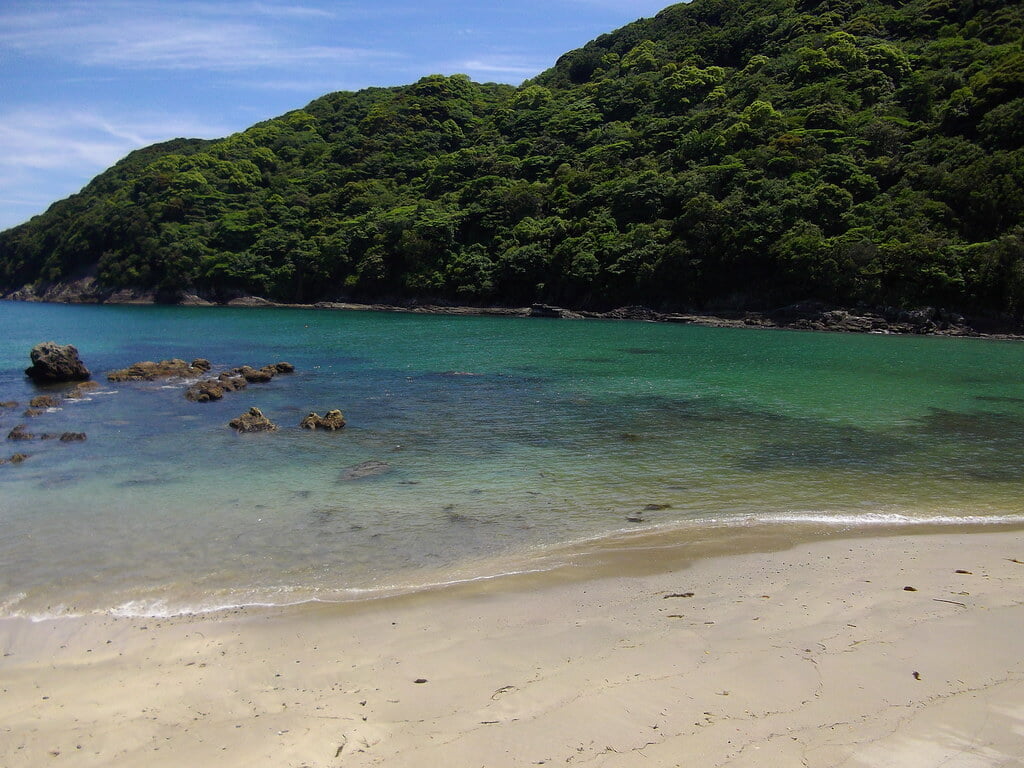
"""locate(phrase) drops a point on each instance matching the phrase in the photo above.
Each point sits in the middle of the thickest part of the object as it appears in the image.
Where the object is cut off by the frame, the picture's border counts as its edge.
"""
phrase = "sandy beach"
(892, 650)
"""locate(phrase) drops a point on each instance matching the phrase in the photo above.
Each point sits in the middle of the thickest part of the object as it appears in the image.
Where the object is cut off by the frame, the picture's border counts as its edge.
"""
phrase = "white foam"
(844, 519)
(7, 605)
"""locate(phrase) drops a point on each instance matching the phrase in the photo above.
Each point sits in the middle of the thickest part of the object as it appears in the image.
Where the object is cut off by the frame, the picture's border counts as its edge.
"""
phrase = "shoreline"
(806, 316)
(769, 648)
(639, 552)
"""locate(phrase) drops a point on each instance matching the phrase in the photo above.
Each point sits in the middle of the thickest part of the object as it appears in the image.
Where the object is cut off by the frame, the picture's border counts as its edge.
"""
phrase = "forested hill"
(745, 153)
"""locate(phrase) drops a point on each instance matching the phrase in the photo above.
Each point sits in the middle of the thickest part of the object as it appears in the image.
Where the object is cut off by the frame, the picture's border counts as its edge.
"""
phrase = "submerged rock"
(252, 421)
(15, 459)
(9, 404)
(369, 468)
(72, 437)
(331, 420)
(44, 401)
(79, 390)
(53, 362)
(150, 371)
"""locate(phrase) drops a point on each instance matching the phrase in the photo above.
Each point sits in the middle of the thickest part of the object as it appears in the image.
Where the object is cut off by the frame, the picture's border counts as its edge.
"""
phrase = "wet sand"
(884, 650)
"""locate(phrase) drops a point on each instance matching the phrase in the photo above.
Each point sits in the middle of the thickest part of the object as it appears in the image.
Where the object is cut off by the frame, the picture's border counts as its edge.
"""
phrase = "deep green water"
(502, 438)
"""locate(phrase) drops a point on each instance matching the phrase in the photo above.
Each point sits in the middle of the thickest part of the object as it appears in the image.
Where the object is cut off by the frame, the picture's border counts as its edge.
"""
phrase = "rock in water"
(79, 390)
(205, 391)
(52, 362)
(19, 433)
(253, 421)
(254, 376)
(150, 371)
(332, 420)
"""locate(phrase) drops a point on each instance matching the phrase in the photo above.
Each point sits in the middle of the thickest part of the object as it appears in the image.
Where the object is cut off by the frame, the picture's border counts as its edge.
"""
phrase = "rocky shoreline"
(806, 316)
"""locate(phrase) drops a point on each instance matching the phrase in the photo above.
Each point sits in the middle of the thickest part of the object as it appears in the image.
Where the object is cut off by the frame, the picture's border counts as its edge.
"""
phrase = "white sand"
(811, 656)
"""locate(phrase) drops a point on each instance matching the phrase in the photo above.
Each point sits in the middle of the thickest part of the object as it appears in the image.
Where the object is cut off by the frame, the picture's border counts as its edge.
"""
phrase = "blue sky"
(86, 81)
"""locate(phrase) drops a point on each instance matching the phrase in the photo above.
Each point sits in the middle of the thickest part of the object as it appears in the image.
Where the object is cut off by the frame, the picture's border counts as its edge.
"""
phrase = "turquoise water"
(501, 438)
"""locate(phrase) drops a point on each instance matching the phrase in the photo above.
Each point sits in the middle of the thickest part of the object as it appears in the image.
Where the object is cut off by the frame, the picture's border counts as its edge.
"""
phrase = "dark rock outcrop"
(72, 437)
(252, 421)
(250, 301)
(44, 401)
(546, 310)
(19, 433)
(205, 391)
(332, 420)
(52, 363)
(150, 371)
(257, 375)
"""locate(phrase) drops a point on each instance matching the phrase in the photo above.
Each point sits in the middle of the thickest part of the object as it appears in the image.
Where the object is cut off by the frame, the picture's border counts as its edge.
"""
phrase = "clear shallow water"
(502, 438)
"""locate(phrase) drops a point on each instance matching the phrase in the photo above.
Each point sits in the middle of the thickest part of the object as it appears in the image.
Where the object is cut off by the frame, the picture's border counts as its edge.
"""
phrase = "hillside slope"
(724, 153)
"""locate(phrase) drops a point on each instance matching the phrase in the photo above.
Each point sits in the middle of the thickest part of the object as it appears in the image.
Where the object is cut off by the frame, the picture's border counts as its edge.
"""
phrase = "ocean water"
(494, 440)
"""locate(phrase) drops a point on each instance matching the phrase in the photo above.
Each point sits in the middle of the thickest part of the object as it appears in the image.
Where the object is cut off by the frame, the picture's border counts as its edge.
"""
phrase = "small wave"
(161, 609)
(279, 597)
(50, 614)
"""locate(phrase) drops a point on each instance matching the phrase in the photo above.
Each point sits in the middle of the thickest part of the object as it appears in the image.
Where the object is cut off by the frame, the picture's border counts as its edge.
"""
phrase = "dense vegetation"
(724, 153)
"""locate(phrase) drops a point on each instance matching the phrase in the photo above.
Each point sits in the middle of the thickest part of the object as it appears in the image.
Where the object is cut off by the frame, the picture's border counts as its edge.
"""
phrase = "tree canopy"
(723, 153)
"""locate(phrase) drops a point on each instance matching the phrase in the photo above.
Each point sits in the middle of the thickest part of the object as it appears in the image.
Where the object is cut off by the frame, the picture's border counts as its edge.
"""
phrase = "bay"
(473, 445)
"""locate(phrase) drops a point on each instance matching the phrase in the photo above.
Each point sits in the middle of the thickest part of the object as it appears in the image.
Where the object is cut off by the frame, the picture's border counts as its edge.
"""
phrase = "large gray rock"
(53, 362)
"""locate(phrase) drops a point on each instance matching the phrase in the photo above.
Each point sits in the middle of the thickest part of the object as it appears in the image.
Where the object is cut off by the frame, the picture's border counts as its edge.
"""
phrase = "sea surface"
(492, 439)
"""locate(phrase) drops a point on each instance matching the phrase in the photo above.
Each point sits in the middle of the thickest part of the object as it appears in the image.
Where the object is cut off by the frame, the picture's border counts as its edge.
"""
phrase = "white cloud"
(49, 138)
(183, 36)
(48, 154)
(507, 65)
